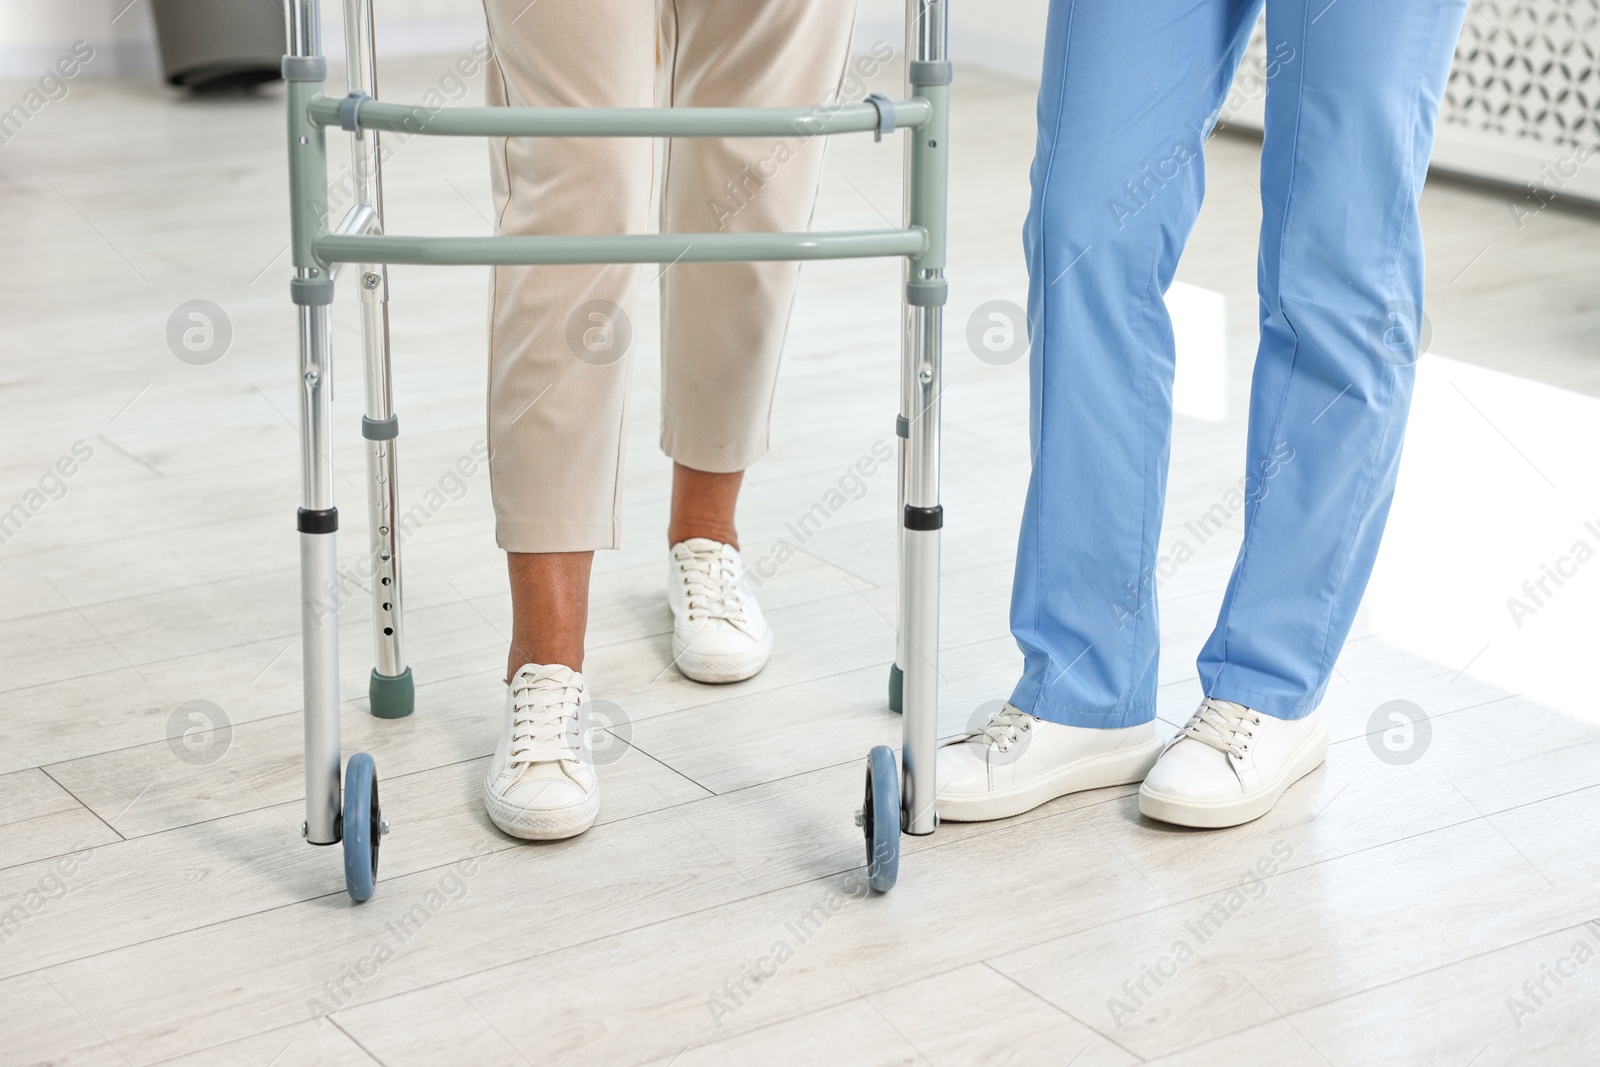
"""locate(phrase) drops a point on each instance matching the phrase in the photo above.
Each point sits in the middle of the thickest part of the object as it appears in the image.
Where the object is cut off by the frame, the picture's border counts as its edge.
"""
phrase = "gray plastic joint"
(350, 112)
(902, 426)
(309, 292)
(380, 429)
(928, 72)
(927, 294)
(305, 69)
(885, 108)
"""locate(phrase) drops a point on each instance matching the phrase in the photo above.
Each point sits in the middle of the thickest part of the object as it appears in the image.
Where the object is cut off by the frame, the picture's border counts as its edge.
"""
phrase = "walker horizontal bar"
(620, 248)
(621, 121)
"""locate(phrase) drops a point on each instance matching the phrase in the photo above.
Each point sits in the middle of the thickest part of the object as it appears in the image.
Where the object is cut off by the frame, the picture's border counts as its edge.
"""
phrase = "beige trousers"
(561, 337)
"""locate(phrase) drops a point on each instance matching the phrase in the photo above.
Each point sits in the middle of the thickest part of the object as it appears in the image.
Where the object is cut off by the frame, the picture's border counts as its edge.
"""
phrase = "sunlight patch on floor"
(1491, 563)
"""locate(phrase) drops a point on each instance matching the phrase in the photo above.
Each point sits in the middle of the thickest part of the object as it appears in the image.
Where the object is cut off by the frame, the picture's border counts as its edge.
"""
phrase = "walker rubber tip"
(897, 686)
(392, 698)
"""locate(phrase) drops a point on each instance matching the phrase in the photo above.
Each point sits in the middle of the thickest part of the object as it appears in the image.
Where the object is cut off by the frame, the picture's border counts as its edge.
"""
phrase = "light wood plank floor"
(1435, 904)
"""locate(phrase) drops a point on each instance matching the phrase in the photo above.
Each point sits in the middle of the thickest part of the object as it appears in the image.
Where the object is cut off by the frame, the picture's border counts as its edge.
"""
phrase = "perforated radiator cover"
(1522, 107)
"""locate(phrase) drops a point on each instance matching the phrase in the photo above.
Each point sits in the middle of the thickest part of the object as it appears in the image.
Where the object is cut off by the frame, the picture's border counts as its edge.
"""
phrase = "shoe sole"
(720, 670)
(1121, 766)
(1236, 811)
(542, 824)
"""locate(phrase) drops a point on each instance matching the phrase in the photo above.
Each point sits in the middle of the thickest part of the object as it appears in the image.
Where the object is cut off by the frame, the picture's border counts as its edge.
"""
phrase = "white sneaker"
(1230, 764)
(541, 785)
(1017, 762)
(718, 631)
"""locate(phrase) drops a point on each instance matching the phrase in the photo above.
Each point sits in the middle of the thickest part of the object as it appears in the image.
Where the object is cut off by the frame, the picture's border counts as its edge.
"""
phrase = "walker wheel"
(880, 818)
(363, 827)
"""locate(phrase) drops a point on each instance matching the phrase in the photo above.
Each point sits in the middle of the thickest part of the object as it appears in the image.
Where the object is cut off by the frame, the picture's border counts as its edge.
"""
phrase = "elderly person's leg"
(558, 380)
(549, 608)
(723, 325)
(559, 352)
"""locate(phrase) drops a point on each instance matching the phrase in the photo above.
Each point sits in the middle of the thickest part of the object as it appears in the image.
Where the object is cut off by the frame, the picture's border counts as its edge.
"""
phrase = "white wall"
(34, 33)
(1005, 36)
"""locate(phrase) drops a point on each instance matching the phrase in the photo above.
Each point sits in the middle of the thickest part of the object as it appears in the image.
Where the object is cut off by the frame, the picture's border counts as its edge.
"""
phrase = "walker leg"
(317, 519)
(390, 691)
(914, 679)
(923, 517)
(928, 75)
(897, 669)
(902, 431)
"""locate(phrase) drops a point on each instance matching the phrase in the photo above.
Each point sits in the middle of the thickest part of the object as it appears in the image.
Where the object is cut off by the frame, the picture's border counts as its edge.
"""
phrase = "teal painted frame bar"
(914, 243)
(620, 122)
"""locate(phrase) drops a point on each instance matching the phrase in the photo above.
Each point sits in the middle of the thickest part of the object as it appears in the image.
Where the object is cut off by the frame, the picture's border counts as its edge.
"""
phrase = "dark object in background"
(210, 45)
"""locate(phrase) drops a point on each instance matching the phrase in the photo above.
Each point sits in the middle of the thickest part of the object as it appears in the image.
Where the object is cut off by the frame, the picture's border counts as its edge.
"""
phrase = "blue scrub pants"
(1130, 92)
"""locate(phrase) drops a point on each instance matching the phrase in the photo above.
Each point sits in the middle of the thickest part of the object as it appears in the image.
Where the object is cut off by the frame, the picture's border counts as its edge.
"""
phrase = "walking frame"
(898, 799)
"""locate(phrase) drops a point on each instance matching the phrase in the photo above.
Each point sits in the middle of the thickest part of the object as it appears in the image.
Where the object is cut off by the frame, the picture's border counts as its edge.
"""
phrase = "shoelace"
(711, 574)
(544, 717)
(1003, 727)
(1224, 725)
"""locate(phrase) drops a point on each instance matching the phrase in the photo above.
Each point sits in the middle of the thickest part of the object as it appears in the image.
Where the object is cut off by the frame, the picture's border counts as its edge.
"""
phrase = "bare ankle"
(520, 659)
(703, 505)
(682, 530)
(549, 609)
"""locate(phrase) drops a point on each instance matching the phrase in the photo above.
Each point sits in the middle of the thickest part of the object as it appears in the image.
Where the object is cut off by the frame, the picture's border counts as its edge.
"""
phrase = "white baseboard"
(112, 59)
(414, 37)
(137, 56)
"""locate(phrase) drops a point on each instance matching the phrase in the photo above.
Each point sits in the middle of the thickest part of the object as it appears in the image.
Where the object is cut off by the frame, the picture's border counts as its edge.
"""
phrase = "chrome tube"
(919, 578)
(383, 532)
(921, 381)
(359, 219)
(927, 30)
(316, 458)
(319, 587)
(319, 646)
(383, 535)
(319, 592)
(304, 27)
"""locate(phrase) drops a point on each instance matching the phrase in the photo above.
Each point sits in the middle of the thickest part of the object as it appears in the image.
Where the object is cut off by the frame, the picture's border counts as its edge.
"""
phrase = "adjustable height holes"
(388, 631)
(387, 606)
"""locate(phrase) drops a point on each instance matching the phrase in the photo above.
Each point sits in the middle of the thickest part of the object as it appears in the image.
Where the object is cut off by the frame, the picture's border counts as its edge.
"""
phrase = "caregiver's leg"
(1128, 96)
(1349, 129)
